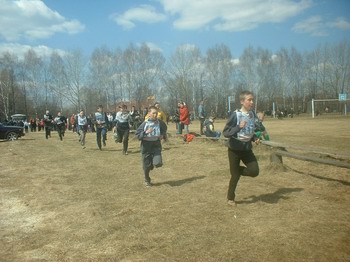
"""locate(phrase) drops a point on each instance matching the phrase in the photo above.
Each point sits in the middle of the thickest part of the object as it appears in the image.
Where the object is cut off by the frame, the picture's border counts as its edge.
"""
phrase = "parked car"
(11, 132)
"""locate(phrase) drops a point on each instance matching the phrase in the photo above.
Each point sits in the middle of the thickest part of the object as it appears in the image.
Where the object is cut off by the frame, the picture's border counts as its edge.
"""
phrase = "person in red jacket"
(184, 116)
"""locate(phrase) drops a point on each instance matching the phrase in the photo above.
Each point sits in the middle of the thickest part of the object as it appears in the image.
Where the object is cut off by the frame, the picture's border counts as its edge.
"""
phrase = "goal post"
(339, 101)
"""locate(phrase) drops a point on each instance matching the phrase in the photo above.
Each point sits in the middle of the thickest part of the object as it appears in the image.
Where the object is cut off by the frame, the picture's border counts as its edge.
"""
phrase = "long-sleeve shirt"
(82, 120)
(158, 127)
(123, 120)
(240, 138)
(201, 111)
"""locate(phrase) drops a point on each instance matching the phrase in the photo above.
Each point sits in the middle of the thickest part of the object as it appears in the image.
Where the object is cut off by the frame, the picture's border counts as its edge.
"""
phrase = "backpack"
(188, 137)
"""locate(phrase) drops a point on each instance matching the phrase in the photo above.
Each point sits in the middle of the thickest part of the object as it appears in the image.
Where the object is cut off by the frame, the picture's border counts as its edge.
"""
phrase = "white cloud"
(231, 15)
(33, 20)
(143, 13)
(235, 61)
(340, 23)
(187, 47)
(151, 46)
(316, 26)
(313, 25)
(19, 50)
(154, 47)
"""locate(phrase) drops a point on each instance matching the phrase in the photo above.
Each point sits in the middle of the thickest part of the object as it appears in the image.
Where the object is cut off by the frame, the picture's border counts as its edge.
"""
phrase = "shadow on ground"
(271, 198)
(179, 182)
(345, 183)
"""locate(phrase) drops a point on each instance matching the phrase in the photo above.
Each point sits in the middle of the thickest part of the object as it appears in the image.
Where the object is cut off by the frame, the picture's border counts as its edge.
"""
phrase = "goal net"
(326, 106)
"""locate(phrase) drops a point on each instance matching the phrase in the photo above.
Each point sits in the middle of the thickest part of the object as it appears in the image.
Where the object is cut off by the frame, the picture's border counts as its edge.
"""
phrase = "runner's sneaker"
(231, 203)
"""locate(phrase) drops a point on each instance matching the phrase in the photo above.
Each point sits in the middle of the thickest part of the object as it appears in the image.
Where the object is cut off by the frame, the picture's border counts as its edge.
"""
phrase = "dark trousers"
(101, 133)
(60, 131)
(123, 136)
(201, 122)
(47, 132)
(179, 126)
(251, 168)
(151, 157)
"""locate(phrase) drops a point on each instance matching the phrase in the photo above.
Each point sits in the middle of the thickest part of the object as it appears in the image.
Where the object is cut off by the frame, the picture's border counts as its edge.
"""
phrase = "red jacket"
(184, 115)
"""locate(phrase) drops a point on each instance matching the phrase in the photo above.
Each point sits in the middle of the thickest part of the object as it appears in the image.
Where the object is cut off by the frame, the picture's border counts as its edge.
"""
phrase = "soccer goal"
(319, 106)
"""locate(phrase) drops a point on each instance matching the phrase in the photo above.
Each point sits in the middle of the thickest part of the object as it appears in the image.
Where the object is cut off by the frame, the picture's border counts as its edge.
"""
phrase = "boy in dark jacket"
(151, 132)
(240, 129)
(60, 122)
(48, 119)
(101, 122)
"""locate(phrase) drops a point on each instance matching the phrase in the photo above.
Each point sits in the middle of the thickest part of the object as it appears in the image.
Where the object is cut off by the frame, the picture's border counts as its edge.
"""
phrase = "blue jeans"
(101, 133)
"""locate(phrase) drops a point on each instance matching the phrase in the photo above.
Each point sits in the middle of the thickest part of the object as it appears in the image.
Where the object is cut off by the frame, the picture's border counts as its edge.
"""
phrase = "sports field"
(59, 202)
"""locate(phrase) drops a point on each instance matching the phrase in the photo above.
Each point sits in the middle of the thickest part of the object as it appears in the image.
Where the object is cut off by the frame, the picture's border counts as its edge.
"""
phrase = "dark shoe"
(148, 184)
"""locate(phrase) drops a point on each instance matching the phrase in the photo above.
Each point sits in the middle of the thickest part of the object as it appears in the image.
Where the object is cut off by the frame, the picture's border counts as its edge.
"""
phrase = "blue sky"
(65, 25)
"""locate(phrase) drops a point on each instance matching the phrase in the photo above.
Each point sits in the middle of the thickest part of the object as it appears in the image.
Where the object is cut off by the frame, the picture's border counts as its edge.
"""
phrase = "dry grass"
(62, 203)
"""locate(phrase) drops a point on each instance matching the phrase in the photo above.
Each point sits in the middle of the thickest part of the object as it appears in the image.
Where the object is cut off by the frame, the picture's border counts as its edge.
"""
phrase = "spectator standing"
(26, 126)
(184, 117)
(201, 115)
(176, 119)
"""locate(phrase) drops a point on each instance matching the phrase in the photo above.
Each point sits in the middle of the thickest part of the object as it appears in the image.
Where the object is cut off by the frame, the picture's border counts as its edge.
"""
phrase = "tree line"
(72, 81)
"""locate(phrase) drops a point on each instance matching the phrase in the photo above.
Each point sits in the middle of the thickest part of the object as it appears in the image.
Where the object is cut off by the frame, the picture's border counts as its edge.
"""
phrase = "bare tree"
(102, 69)
(178, 79)
(33, 66)
(339, 74)
(76, 66)
(219, 73)
(58, 81)
(297, 75)
(150, 65)
(8, 96)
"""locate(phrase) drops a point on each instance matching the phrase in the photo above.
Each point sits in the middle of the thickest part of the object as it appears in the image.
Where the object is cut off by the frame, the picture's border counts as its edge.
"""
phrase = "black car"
(10, 132)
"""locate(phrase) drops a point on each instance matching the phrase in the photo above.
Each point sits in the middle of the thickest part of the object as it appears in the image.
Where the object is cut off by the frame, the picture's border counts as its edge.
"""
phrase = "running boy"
(83, 126)
(123, 123)
(151, 132)
(240, 130)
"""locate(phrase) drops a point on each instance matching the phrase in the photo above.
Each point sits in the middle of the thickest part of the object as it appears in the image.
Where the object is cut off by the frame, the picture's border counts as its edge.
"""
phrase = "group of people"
(242, 128)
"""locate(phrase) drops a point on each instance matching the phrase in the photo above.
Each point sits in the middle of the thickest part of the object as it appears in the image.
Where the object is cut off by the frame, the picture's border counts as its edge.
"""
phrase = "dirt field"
(62, 203)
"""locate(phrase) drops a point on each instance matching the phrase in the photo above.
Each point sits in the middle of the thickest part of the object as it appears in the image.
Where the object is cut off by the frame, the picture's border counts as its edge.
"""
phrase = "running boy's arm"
(231, 128)
(140, 132)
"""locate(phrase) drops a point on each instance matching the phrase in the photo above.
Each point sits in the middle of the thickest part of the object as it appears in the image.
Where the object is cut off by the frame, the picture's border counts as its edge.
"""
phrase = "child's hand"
(257, 141)
(242, 124)
(149, 130)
